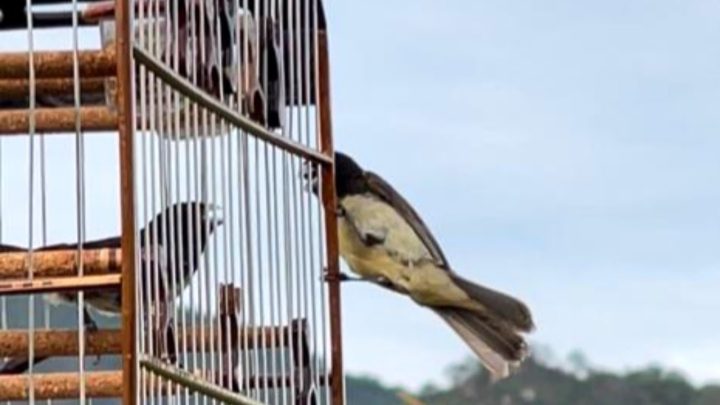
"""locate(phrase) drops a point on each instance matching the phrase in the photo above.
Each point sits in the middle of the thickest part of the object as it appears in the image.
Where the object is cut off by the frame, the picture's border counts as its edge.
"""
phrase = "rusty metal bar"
(14, 343)
(59, 263)
(58, 64)
(20, 88)
(195, 383)
(77, 283)
(329, 208)
(277, 381)
(57, 120)
(224, 112)
(125, 98)
(98, 384)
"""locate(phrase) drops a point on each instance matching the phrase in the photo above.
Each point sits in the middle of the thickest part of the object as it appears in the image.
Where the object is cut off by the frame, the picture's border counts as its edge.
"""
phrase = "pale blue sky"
(563, 151)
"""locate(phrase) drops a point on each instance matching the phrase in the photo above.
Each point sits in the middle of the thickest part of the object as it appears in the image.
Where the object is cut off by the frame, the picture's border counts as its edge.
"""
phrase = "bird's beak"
(215, 214)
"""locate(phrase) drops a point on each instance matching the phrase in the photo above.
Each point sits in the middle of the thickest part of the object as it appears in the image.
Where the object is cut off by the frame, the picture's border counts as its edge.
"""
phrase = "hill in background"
(541, 384)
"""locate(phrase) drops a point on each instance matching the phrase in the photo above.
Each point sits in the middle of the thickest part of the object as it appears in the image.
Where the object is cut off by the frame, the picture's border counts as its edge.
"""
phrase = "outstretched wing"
(381, 188)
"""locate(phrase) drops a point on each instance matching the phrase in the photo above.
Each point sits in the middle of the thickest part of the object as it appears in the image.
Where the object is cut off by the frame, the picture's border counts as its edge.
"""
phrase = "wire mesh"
(243, 305)
(229, 235)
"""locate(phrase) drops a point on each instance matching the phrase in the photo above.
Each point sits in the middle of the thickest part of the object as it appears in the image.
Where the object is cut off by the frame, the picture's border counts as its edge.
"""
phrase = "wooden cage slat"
(58, 64)
(98, 384)
(59, 263)
(57, 120)
(14, 343)
(59, 284)
(20, 88)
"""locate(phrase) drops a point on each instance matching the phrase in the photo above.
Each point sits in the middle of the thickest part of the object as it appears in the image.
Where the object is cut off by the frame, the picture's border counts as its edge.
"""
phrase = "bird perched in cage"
(170, 249)
(384, 241)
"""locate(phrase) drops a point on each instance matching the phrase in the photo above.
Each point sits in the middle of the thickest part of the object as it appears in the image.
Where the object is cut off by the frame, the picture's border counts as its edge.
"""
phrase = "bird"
(192, 225)
(385, 241)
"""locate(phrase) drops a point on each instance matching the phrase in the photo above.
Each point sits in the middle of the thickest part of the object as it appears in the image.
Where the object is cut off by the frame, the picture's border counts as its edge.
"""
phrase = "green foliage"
(537, 383)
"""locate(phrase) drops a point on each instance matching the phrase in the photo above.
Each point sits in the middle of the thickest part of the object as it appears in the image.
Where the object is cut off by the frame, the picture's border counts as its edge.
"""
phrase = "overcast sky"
(564, 151)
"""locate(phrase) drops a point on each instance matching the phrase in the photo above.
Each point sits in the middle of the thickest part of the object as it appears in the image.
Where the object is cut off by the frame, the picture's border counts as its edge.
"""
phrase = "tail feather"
(498, 347)
(505, 307)
(18, 365)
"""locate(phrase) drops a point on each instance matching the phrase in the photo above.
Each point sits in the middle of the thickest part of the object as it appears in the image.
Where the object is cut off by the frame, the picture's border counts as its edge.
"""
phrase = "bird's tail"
(499, 347)
(18, 365)
(503, 306)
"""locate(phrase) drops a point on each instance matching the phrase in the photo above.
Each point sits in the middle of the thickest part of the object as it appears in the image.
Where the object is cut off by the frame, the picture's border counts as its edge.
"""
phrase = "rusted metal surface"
(125, 95)
(330, 207)
(20, 88)
(58, 64)
(99, 384)
(64, 284)
(213, 105)
(57, 120)
(59, 263)
(14, 343)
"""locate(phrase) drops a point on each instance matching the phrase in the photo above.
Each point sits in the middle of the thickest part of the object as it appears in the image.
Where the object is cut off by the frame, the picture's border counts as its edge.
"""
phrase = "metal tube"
(196, 384)
(123, 21)
(330, 207)
(209, 102)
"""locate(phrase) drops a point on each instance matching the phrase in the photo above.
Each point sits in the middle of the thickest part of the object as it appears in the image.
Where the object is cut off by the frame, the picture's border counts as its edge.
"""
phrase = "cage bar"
(58, 64)
(57, 120)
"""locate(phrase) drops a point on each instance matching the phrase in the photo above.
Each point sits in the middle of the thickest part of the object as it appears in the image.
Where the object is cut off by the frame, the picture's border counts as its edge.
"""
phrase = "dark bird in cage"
(384, 241)
(170, 250)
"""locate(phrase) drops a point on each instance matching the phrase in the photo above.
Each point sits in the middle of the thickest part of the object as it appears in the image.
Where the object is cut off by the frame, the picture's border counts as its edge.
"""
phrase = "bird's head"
(349, 176)
(193, 221)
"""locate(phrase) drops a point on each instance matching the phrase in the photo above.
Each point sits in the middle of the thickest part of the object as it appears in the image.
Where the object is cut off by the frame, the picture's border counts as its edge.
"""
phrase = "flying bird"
(170, 249)
(384, 240)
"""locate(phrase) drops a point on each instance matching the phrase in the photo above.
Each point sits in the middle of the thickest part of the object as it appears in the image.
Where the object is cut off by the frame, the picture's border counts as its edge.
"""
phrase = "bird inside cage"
(225, 52)
(234, 55)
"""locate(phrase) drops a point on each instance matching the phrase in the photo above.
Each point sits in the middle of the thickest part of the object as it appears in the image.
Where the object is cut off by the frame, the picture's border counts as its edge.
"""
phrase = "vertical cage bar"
(125, 96)
(329, 204)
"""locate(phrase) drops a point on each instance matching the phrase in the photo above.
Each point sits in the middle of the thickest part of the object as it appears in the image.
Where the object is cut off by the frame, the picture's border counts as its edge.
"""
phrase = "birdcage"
(188, 129)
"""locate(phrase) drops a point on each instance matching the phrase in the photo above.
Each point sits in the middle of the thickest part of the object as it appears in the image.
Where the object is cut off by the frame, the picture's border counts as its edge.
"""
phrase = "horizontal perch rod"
(59, 263)
(20, 88)
(59, 284)
(98, 384)
(14, 343)
(57, 120)
(58, 64)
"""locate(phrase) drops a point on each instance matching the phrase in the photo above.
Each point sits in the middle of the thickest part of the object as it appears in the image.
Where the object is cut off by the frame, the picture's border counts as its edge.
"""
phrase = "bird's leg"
(91, 327)
(90, 324)
(343, 277)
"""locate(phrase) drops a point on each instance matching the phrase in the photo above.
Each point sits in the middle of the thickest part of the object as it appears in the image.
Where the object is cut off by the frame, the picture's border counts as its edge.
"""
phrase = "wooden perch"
(59, 263)
(20, 88)
(14, 343)
(98, 384)
(58, 64)
(57, 120)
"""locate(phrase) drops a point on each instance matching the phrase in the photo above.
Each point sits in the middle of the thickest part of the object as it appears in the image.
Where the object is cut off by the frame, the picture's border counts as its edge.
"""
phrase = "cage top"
(13, 15)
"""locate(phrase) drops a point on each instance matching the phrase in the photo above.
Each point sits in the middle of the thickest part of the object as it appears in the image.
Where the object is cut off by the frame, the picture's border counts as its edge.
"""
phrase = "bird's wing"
(112, 242)
(380, 187)
(11, 248)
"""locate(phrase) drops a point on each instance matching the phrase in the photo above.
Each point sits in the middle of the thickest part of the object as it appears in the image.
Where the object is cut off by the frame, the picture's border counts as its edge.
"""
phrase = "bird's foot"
(342, 277)
(90, 324)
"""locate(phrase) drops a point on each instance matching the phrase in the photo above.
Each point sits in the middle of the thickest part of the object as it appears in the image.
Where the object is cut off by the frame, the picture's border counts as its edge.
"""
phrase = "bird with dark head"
(384, 241)
(170, 249)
